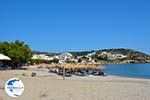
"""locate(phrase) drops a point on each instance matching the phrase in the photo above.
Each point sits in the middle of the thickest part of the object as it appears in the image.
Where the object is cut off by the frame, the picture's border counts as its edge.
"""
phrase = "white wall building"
(42, 56)
(113, 55)
(64, 56)
(90, 54)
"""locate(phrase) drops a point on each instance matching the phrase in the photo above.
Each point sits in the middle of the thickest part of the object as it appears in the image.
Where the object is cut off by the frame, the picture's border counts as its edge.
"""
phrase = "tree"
(19, 52)
(69, 61)
(79, 60)
(55, 61)
(102, 57)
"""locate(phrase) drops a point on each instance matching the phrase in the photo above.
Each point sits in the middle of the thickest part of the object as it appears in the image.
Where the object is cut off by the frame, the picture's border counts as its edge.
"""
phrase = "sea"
(129, 70)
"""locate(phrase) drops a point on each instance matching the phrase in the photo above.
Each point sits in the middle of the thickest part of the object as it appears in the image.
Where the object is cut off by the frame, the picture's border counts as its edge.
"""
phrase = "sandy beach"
(48, 86)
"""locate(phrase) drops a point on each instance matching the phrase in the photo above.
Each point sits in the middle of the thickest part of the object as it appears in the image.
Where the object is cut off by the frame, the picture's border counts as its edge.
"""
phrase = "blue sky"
(76, 25)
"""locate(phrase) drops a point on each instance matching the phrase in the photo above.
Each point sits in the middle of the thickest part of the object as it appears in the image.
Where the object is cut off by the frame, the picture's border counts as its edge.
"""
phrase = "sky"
(76, 25)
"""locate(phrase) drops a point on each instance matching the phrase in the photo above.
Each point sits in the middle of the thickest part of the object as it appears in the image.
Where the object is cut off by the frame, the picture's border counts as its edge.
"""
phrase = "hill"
(46, 53)
(119, 55)
(131, 54)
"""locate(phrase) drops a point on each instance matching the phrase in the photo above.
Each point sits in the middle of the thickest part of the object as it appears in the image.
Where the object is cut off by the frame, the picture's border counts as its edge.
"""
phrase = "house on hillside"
(113, 55)
(64, 56)
(42, 56)
(91, 54)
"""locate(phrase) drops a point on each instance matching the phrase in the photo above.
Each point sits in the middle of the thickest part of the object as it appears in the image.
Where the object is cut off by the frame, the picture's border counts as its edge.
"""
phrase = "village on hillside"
(94, 57)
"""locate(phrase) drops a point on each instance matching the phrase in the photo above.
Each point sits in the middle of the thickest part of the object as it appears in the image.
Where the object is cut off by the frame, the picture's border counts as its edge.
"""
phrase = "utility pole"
(63, 73)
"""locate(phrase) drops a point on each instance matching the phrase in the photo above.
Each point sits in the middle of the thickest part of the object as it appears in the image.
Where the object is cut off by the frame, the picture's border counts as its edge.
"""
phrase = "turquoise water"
(129, 70)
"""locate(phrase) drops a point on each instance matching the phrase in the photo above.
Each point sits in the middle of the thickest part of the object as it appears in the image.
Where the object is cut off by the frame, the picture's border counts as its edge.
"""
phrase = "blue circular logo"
(14, 87)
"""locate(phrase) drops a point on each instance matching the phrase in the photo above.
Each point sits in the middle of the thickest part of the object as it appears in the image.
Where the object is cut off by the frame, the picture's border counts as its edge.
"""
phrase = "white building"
(64, 56)
(91, 54)
(116, 56)
(113, 55)
(42, 56)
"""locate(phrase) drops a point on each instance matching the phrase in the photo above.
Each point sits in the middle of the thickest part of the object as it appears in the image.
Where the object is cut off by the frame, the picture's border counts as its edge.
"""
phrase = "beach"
(48, 86)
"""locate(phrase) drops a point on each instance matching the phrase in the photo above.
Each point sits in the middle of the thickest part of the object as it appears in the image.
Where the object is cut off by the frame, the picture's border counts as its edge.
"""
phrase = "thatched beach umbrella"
(80, 67)
(101, 67)
(92, 67)
(87, 66)
(42, 65)
(66, 66)
(84, 66)
(52, 65)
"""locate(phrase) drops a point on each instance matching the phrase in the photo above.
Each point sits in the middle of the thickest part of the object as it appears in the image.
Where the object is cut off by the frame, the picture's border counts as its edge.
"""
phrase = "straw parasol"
(80, 66)
(3, 57)
(66, 66)
(87, 66)
(42, 65)
(100, 67)
(83, 66)
(52, 65)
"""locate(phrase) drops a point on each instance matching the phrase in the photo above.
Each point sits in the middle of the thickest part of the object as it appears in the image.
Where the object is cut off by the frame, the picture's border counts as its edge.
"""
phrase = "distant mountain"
(131, 54)
(128, 52)
(39, 52)
(47, 53)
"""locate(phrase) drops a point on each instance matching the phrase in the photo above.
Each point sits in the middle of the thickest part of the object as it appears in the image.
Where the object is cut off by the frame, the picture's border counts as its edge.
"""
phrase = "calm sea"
(129, 70)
